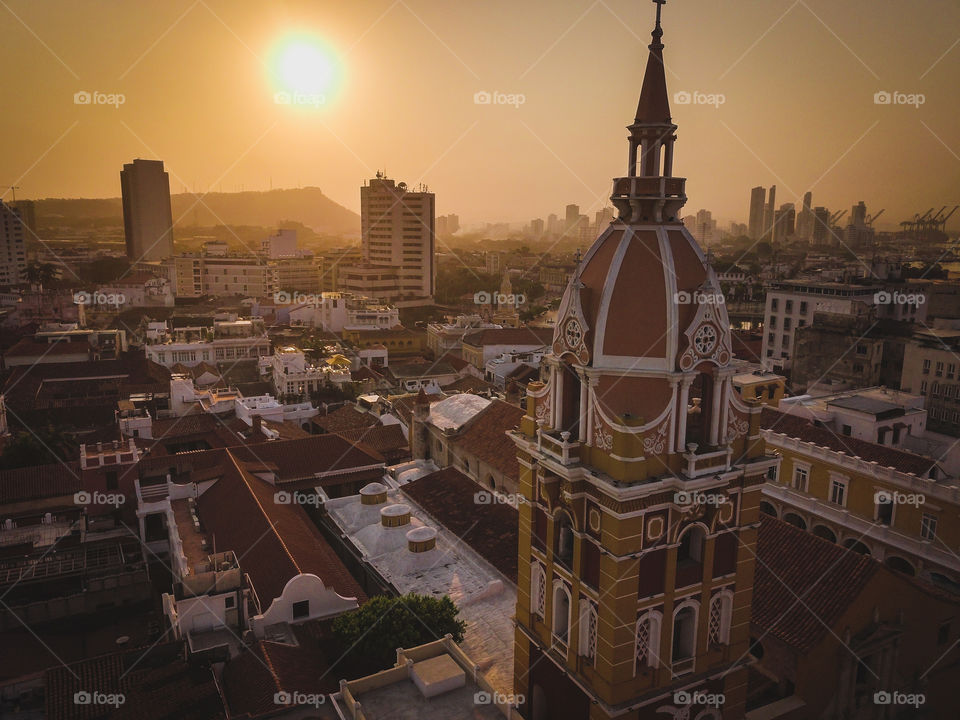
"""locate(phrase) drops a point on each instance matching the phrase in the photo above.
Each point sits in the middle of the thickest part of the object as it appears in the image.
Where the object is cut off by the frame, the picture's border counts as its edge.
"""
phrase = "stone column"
(685, 384)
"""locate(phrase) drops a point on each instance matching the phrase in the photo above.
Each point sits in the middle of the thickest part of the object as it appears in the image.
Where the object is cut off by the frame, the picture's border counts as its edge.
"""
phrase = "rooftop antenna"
(13, 189)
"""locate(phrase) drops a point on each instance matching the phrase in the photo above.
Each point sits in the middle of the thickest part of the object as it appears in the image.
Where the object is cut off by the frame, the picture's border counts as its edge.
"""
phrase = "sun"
(304, 65)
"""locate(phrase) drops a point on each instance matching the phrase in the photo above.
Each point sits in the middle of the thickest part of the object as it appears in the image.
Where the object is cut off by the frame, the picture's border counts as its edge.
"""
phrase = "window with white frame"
(538, 595)
(928, 527)
(838, 491)
(647, 641)
(721, 607)
(588, 628)
(561, 612)
(685, 631)
(801, 476)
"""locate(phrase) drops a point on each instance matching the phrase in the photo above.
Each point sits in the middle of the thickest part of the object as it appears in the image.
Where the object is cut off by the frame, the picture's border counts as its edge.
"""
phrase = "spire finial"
(658, 31)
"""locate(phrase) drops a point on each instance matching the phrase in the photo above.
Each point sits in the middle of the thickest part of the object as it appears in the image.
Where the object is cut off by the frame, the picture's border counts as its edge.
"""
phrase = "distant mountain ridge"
(266, 209)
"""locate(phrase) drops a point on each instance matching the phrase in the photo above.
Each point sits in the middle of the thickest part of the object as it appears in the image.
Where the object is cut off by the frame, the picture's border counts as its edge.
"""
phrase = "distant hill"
(265, 209)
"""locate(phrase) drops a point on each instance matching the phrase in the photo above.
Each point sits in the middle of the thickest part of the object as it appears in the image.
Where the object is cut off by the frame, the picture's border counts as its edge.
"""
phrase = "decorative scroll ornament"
(655, 444)
(737, 427)
(543, 409)
(603, 439)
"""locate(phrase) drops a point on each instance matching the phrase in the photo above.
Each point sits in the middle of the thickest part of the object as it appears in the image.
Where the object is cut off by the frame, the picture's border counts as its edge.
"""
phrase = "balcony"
(707, 462)
(559, 446)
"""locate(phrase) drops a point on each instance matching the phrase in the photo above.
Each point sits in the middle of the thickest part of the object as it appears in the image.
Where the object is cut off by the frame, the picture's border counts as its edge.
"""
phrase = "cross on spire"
(658, 31)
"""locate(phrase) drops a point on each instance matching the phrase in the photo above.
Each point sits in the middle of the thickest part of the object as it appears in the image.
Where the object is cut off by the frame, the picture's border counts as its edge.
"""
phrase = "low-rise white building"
(337, 311)
(227, 340)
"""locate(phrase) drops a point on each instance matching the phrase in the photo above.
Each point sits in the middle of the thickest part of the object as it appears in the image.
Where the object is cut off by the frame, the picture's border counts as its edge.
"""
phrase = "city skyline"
(844, 146)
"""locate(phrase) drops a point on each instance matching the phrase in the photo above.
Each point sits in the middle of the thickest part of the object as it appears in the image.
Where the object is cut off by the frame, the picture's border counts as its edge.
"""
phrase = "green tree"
(370, 635)
(25, 449)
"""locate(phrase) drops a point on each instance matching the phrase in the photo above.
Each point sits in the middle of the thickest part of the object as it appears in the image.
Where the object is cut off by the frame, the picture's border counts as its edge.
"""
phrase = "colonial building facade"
(640, 470)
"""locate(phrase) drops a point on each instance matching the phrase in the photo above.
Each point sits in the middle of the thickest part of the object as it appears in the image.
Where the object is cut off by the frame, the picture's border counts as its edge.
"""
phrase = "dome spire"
(654, 105)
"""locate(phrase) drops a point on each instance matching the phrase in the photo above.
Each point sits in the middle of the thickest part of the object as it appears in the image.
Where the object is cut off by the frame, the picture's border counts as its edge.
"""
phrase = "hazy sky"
(798, 80)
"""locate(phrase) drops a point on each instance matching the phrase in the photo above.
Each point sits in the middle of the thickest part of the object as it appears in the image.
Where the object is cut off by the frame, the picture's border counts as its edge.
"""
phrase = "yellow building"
(767, 387)
(640, 471)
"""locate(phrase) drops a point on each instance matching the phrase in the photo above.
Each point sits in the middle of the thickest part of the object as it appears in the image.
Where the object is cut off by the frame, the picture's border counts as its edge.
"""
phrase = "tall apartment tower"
(641, 470)
(147, 218)
(770, 214)
(806, 218)
(758, 197)
(398, 230)
(13, 253)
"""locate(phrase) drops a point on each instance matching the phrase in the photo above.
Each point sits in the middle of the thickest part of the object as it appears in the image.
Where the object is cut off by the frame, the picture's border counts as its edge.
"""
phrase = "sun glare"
(304, 66)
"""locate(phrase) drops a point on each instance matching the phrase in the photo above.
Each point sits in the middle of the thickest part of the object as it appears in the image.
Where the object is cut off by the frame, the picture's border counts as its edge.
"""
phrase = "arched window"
(690, 556)
(538, 590)
(563, 539)
(561, 613)
(822, 531)
(721, 608)
(588, 628)
(685, 631)
(647, 646)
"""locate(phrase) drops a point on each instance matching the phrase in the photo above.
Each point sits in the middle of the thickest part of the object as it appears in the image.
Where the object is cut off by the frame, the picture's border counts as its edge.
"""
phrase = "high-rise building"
(758, 197)
(784, 222)
(536, 227)
(398, 232)
(820, 229)
(805, 219)
(640, 477)
(147, 219)
(553, 224)
(447, 225)
(769, 214)
(13, 254)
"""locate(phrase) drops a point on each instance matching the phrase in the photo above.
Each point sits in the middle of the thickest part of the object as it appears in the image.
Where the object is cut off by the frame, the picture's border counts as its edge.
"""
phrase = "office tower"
(821, 226)
(571, 223)
(553, 224)
(398, 231)
(758, 196)
(769, 215)
(634, 596)
(603, 218)
(858, 215)
(447, 225)
(147, 219)
(536, 227)
(784, 224)
(13, 254)
(805, 221)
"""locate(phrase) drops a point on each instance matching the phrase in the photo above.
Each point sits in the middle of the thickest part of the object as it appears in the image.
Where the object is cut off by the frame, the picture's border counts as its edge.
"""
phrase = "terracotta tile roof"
(364, 373)
(403, 404)
(344, 418)
(535, 337)
(802, 429)
(490, 529)
(467, 384)
(455, 361)
(274, 541)
(485, 436)
(29, 348)
(413, 370)
(524, 374)
(305, 457)
(387, 440)
(251, 679)
(156, 686)
(792, 564)
(39, 481)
